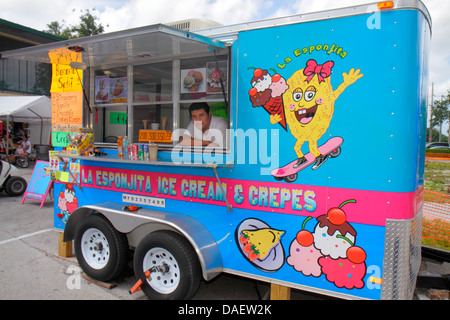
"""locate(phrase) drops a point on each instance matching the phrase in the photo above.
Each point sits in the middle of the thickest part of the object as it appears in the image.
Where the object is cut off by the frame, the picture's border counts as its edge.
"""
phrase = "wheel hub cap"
(165, 272)
(95, 248)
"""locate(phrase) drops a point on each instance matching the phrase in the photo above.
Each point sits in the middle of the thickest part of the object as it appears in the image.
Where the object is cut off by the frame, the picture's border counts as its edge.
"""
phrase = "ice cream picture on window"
(216, 77)
(193, 80)
(210, 80)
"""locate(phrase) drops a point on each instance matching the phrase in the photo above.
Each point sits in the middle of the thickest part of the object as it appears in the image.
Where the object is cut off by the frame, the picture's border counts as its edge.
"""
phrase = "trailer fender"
(126, 222)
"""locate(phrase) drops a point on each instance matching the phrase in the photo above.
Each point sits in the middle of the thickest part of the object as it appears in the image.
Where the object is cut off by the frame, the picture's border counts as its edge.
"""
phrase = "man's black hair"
(199, 106)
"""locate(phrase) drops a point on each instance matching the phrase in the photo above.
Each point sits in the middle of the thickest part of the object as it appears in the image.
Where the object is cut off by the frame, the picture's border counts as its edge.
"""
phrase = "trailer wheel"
(175, 269)
(101, 250)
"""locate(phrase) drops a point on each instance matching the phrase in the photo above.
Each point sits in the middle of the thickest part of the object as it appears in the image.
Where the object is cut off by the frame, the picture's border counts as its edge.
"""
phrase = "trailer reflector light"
(376, 280)
(385, 5)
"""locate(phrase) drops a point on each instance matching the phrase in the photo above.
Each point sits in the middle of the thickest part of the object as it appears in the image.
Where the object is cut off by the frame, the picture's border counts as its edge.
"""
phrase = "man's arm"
(187, 140)
(218, 132)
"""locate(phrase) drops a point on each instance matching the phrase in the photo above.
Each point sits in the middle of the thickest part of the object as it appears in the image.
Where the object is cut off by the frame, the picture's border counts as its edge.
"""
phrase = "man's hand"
(189, 141)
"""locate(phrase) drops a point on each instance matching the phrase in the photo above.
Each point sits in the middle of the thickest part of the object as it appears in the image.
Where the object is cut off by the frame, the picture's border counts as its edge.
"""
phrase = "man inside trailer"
(204, 129)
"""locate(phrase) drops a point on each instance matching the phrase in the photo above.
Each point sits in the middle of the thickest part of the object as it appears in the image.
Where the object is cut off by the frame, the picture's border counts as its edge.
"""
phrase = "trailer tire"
(181, 277)
(101, 250)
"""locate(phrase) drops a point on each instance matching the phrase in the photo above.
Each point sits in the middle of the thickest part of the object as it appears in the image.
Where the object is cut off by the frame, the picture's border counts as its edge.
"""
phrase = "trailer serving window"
(204, 79)
(150, 96)
(144, 78)
(110, 101)
(161, 94)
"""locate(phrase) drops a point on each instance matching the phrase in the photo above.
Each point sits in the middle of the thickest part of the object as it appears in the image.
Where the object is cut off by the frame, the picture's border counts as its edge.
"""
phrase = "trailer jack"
(147, 276)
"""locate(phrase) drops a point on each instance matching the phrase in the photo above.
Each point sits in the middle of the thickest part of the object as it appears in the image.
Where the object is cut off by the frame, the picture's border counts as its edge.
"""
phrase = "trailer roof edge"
(229, 32)
(216, 37)
(129, 45)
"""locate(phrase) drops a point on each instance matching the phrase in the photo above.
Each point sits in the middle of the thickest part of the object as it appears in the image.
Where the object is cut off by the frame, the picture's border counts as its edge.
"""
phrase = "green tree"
(441, 112)
(57, 28)
(435, 136)
(88, 26)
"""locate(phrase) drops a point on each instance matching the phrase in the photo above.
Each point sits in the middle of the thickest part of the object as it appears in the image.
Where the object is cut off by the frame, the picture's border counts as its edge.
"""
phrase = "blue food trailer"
(318, 185)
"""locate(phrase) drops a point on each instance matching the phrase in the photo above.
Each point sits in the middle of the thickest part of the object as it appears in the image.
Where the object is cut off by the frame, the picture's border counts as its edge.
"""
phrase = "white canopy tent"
(36, 110)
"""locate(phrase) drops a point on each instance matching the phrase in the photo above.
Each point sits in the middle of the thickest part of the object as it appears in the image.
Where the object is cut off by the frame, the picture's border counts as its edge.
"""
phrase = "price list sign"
(39, 184)
(157, 136)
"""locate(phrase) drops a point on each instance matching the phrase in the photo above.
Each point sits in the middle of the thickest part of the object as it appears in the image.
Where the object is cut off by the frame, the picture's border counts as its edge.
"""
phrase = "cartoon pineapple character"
(309, 105)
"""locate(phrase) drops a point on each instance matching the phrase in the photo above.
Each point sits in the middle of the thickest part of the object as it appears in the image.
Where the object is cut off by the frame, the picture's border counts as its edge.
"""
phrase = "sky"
(118, 15)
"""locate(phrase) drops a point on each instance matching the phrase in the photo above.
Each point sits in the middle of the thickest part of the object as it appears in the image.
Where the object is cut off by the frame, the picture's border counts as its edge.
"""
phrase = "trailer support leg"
(279, 292)
(64, 248)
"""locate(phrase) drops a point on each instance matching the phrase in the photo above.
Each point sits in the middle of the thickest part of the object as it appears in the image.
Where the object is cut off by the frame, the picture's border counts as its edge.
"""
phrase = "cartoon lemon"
(309, 106)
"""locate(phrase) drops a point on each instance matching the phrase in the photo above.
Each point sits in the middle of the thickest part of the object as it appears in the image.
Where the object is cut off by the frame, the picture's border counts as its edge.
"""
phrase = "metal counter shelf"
(114, 158)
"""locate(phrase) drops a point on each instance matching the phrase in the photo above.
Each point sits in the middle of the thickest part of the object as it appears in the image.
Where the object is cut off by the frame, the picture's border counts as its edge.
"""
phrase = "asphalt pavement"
(30, 268)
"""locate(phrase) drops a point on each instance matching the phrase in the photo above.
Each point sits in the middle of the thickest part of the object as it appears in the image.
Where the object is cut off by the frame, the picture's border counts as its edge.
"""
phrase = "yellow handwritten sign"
(65, 78)
(159, 136)
(64, 56)
(66, 91)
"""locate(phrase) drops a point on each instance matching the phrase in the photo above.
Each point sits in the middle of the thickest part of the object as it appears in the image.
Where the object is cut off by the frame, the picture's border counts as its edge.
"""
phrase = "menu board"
(66, 91)
(67, 107)
(39, 184)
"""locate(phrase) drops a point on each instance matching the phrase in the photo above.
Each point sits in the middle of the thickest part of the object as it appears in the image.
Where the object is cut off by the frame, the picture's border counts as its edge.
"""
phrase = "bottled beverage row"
(136, 151)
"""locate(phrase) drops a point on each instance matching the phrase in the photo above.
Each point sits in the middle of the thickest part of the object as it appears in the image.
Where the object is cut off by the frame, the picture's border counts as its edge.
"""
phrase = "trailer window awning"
(129, 46)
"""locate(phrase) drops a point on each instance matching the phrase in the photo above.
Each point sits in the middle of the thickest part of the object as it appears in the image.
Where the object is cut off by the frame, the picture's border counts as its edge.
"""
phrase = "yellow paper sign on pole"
(65, 78)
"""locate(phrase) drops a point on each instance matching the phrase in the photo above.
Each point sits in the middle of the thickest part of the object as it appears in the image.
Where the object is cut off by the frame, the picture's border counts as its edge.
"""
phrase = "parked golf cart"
(13, 185)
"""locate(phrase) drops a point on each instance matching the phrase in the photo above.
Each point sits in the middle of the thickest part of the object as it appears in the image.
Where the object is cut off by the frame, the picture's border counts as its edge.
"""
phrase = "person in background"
(204, 129)
(2, 144)
(26, 147)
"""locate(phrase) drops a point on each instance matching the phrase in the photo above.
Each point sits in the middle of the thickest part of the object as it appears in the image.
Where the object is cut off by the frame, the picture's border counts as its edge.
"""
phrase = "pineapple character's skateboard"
(330, 149)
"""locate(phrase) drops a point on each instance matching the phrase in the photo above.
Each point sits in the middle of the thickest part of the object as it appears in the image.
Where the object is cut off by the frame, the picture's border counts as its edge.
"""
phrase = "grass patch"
(435, 233)
(437, 176)
(438, 151)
